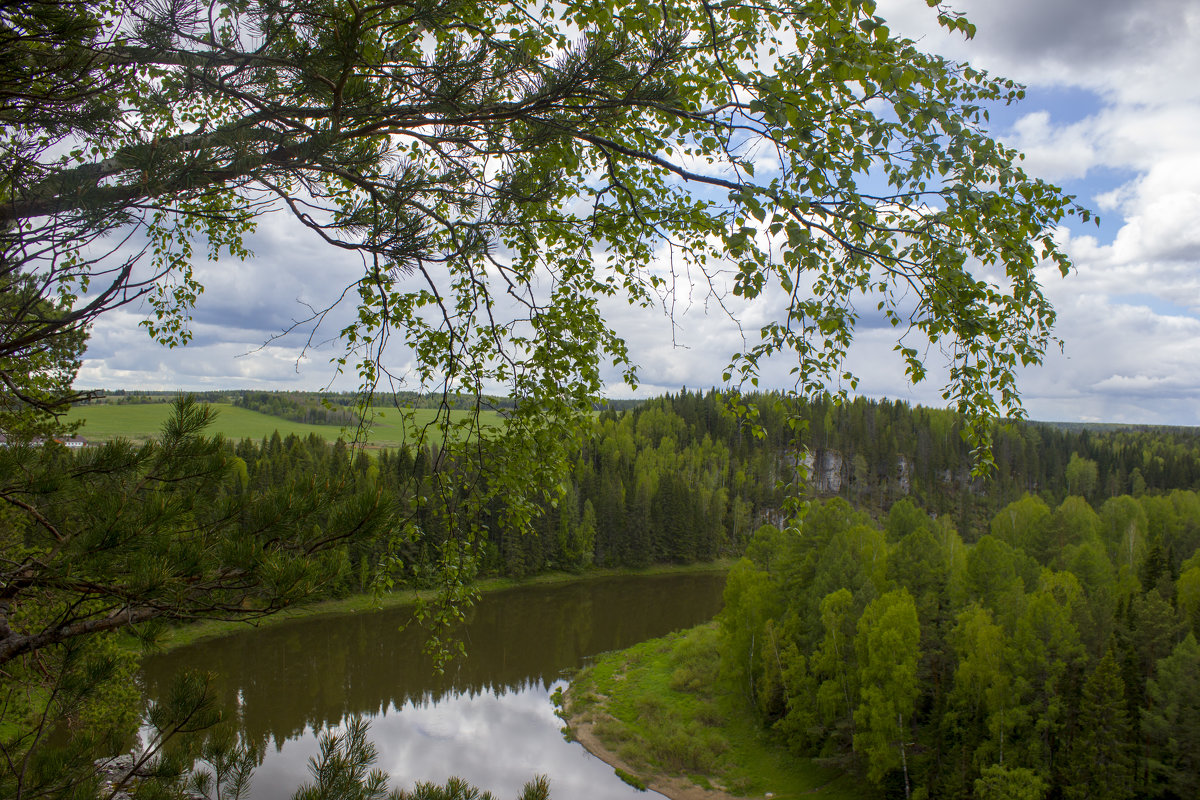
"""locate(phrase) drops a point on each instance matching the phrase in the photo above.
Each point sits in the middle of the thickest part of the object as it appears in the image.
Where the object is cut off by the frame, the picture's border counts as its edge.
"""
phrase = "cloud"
(1137, 52)
(1125, 362)
(1054, 152)
(245, 306)
(1157, 248)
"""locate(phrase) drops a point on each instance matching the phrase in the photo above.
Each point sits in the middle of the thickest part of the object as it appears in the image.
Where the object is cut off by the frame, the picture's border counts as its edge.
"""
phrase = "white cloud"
(1157, 249)
(1127, 313)
(1136, 52)
(1053, 152)
(1125, 362)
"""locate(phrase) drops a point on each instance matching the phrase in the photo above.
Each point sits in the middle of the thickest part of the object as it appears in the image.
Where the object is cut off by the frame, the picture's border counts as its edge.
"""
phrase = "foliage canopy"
(502, 167)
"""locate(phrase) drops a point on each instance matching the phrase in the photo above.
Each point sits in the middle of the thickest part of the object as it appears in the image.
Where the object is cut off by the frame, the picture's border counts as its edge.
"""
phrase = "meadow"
(143, 421)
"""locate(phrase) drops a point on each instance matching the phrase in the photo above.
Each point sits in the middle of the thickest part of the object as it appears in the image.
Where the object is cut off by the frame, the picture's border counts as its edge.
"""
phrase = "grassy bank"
(665, 720)
(365, 602)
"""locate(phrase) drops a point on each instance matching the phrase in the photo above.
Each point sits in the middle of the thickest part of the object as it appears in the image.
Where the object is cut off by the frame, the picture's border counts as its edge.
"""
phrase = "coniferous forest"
(678, 479)
(1057, 652)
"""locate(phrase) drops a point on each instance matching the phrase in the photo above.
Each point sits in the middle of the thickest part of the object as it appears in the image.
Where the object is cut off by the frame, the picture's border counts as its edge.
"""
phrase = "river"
(488, 718)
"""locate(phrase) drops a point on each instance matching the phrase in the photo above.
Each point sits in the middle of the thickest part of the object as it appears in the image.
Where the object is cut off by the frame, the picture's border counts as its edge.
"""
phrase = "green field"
(140, 422)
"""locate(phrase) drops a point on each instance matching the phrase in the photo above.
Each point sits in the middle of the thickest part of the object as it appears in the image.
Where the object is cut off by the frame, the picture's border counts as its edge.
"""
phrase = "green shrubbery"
(663, 709)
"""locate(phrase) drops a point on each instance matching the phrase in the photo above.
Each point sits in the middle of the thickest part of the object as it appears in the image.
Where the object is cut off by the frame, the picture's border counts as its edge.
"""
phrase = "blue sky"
(1112, 115)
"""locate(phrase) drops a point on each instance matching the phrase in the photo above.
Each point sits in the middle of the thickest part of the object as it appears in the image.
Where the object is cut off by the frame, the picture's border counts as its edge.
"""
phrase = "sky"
(1112, 115)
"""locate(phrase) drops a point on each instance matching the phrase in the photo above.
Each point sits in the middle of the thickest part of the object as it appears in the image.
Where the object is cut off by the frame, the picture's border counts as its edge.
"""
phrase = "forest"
(680, 479)
(1054, 657)
(142, 139)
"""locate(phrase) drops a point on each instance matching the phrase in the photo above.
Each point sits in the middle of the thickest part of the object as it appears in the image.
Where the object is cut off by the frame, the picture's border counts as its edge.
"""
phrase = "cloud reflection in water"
(497, 741)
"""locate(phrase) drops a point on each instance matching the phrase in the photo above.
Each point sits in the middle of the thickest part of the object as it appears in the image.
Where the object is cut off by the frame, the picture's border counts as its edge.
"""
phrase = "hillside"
(142, 421)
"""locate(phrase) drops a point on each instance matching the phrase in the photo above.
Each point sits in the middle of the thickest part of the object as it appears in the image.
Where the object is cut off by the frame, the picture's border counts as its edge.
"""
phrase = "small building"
(70, 442)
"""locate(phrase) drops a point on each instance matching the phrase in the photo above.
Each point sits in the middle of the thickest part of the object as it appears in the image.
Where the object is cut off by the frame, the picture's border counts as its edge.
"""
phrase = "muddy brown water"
(488, 718)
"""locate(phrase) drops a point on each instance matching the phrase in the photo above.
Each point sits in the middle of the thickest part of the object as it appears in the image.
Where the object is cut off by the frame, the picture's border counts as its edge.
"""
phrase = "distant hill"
(1113, 427)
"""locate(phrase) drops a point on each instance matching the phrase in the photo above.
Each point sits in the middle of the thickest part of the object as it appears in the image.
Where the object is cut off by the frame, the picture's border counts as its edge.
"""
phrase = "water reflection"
(487, 719)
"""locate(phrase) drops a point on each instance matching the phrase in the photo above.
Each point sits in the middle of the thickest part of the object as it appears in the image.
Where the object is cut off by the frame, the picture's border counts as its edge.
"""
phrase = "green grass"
(140, 422)
(632, 780)
(662, 708)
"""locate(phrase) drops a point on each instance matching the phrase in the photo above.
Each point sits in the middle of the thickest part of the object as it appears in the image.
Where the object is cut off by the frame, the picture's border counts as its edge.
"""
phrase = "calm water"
(488, 719)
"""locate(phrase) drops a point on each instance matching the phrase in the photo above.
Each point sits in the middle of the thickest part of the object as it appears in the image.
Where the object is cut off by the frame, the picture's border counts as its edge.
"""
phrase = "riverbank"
(657, 713)
(365, 602)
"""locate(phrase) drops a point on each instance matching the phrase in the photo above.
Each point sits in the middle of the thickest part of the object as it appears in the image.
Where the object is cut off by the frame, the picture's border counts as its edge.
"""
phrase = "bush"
(632, 780)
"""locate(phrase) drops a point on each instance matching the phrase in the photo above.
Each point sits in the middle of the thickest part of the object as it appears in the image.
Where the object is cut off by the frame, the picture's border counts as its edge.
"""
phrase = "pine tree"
(1099, 763)
(121, 540)
(1171, 722)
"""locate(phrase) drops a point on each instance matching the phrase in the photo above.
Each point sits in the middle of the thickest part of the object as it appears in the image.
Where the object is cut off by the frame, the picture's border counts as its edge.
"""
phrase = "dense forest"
(679, 479)
(1058, 653)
